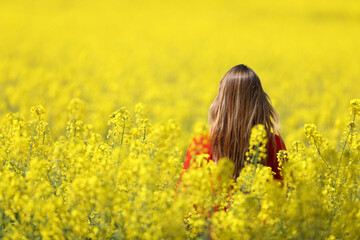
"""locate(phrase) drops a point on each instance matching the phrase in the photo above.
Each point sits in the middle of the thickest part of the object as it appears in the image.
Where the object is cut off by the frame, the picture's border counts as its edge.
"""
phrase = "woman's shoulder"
(201, 139)
(200, 143)
(280, 144)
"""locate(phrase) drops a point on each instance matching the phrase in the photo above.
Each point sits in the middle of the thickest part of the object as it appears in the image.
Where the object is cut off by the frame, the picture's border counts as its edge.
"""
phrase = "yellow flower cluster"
(258, 145)
(82, 186)
(281, 157)
(355, 106)
(85, 186)
(313, 135)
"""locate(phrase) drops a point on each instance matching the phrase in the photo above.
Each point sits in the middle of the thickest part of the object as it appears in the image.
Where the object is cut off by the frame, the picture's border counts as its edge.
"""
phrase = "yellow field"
(100, 99)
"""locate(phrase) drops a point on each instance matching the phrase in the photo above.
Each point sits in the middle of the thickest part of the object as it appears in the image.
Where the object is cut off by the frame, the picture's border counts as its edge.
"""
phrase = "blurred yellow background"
(171, 55)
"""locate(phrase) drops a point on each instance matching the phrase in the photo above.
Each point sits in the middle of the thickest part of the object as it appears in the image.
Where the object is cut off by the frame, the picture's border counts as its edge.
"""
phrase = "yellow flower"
(258, 145)
(355, 106)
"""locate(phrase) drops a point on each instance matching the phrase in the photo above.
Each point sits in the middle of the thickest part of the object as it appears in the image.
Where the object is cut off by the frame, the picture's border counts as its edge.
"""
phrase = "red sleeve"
(272, 158)
(199, 144)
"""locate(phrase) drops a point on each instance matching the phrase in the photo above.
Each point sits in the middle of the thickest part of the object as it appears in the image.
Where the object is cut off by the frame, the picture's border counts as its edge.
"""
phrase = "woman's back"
(201, 144)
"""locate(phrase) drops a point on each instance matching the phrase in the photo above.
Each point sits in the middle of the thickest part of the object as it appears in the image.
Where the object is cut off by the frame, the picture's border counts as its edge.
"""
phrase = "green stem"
(255, 164)
(43, 144)
(122, 135)
(144, 133)
(342, 153)
(318, 150)
(30, 151)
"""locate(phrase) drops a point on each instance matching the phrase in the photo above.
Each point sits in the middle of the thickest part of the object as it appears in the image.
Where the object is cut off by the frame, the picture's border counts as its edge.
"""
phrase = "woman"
(241, 103)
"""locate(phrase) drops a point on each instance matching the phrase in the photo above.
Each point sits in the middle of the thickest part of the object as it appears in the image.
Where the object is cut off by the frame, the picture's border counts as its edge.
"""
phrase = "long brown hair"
(240, 104)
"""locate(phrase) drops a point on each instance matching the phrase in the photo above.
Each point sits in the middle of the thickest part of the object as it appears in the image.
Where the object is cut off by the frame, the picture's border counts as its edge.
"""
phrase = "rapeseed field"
(101, 99)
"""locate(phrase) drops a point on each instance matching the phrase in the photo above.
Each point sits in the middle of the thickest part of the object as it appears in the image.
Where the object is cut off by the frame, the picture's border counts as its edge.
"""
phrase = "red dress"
(201, 144)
